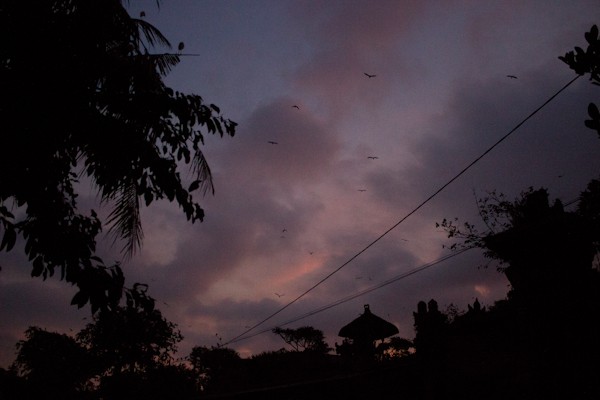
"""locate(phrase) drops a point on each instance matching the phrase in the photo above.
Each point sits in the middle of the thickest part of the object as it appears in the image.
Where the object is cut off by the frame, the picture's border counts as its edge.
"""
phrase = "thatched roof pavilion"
(368, 327)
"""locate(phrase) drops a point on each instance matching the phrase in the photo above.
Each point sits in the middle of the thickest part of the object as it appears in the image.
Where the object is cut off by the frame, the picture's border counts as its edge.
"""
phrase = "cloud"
(305, 150)
(440, 98)
(349, 39)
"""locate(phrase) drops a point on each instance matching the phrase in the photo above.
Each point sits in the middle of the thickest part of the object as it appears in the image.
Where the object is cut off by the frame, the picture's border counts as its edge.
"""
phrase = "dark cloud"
(440, 98)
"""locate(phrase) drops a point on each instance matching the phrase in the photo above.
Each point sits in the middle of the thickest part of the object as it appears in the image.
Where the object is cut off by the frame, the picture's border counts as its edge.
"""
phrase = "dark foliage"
(305, 338)
(587, 62)
(126, 353)
(550, 321)
(88, 99)
(53, 365)
(216, 368)
(129, 339)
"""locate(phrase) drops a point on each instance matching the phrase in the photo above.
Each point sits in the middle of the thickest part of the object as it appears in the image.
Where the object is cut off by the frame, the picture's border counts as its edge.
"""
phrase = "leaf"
(210, 125)
(593, 111)
(148, 197)
(193, 186)
(9, 239)
(38, 266)
(80, 299)
(592, 35)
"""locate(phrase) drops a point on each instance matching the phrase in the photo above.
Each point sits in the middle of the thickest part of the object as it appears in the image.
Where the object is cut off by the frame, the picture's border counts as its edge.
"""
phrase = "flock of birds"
(279, 295)
(369, 157)
(273, 142)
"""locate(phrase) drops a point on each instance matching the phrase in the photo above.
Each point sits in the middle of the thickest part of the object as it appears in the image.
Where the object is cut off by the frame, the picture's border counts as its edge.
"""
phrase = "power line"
(417, 208)
(357, 294)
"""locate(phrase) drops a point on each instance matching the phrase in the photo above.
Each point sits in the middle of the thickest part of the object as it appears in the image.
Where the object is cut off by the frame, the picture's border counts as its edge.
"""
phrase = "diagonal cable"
(357, 294)
(417, 208)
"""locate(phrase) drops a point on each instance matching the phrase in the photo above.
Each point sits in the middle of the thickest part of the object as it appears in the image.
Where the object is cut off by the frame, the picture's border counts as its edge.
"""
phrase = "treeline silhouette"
(541, 341)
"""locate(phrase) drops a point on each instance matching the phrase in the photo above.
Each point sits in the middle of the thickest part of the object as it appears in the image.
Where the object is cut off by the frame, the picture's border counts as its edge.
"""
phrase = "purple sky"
(440, 98)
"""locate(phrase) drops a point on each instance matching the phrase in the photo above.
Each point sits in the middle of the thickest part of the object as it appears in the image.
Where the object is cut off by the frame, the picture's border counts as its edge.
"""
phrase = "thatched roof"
(368, 326)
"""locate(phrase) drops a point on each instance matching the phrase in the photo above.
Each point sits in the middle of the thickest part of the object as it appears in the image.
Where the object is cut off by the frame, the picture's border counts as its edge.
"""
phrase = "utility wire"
(427, 200)
(357, 294)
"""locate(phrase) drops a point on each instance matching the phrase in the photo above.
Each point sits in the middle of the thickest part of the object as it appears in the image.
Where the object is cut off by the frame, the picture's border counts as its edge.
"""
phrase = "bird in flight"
(272, 142)
(372, 158)
(181, 46)
(295, 106)
(511, 76)
(284, 230)
(279, 295)
(369, 75)
(362, 190)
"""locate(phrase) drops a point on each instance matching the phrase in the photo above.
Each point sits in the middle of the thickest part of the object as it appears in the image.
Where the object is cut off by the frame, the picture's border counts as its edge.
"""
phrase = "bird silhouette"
(284, 230)
(511, 76)
(181, 46)
(295, 106)
(369, 75)
(362, 190)
(272, 142)
(279, 295)
(142, 14)
(372, 157)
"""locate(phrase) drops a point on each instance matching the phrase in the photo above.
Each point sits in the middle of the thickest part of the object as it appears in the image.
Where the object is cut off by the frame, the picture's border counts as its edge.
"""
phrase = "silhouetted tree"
(53, 365)
(216, 368)
(305, 338)
(131, 339)
(547, 255)
(134, 345)
(125, 353)
(544, 251)
(89, 100)
(395, 347)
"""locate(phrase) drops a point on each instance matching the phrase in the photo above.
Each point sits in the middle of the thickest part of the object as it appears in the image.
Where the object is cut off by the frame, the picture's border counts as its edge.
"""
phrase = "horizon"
(370, 110)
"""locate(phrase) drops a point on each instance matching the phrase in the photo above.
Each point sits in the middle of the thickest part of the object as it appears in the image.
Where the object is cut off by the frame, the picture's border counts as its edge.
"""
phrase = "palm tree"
(89, 100)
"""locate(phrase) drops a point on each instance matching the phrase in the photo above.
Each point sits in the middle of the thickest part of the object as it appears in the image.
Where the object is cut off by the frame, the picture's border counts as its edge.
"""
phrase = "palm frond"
(203, 174)
(164, 62)
(124, 220)
(150, 33)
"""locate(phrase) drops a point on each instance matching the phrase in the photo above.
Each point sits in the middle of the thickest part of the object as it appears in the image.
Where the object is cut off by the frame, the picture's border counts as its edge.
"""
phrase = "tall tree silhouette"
(132, 338)
(54, 365)
(547, 254)
(543, 250)
(88, 100)
(125, 353)
(216, 368)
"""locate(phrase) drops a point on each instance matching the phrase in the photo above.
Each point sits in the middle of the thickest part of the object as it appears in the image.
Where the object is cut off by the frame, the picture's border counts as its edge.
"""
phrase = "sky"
(285, 216)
